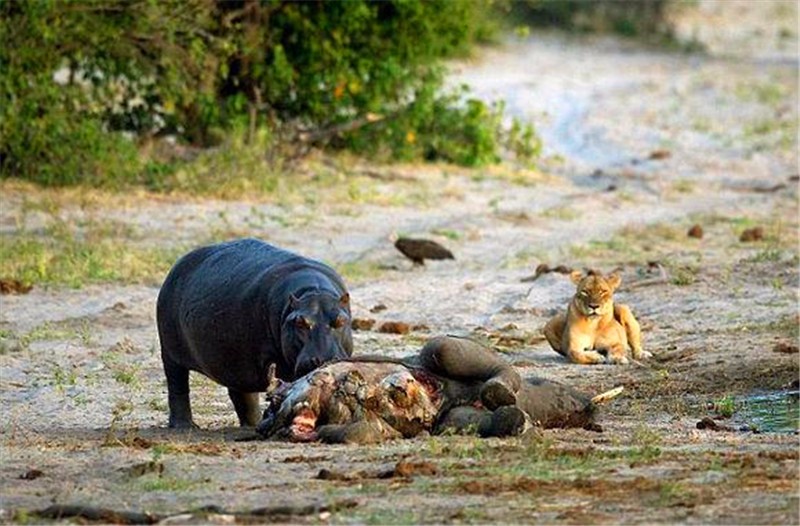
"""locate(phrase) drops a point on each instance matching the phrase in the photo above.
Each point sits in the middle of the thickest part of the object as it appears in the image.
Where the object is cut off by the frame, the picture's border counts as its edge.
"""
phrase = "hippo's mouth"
(303, 425)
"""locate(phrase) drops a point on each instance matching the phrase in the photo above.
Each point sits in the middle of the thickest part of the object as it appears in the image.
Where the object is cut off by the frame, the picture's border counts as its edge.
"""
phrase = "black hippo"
(232, 309)
(452, 384)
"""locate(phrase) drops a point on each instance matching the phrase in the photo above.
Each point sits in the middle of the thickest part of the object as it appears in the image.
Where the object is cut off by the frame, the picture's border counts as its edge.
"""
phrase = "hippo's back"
(216, 265)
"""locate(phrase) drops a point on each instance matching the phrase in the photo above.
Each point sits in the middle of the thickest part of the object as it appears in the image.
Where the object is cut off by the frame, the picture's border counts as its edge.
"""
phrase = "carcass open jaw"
(303, 425)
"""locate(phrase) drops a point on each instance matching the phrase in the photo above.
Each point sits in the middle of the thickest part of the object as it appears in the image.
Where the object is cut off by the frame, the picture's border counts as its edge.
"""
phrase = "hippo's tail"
(602, 398)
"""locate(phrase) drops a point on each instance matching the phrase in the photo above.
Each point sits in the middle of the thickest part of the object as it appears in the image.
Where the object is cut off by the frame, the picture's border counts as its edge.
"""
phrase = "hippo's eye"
(301, 322)
(339, 322)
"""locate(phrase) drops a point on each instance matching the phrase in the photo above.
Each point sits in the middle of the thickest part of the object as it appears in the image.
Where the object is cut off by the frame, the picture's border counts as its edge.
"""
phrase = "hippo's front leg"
(246, 405)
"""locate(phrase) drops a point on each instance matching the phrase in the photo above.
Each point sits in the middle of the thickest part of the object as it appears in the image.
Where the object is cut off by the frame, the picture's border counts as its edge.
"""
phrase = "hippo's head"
(316, 330)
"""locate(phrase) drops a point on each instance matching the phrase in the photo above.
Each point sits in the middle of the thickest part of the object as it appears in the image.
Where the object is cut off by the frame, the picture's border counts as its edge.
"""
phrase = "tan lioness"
(593, 325)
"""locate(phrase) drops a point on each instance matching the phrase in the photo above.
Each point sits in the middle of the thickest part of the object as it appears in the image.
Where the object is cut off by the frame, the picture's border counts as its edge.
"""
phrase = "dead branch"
(325, 134)
(661, 279)
(544, 268)
(608, 395)
(384, 175)
(90, 513)
(104, 515)
(761, 189)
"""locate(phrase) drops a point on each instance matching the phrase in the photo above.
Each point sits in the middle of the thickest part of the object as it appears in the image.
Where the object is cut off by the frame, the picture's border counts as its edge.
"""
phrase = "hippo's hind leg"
(462, 420)
(180, 408)
(464, 359)
(506, 421)
(502, 422)
(246, 405)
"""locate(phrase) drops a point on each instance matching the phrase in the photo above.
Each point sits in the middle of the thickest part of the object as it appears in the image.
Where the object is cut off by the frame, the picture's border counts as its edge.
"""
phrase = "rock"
(786, 348)
(143, 468)
(394, 327)
(31, 474)
(752, 234)
(407, 469)
(14, 286)
(362, 324)
(710, 424)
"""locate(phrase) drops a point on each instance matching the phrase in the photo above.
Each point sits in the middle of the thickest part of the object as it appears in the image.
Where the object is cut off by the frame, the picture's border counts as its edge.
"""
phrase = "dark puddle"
(776, 412)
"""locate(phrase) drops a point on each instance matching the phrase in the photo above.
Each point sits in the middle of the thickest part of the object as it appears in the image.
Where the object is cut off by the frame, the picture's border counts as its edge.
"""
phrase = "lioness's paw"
(642, 355)
(621, 360)
(594, 357)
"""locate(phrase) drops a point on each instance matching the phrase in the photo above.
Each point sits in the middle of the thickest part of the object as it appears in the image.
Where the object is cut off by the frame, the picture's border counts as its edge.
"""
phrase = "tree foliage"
(76, 74)
(633, 18)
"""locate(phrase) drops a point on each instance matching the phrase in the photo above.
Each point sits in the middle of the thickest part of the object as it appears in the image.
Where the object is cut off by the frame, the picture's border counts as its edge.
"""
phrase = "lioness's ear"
(344, 300)
(576, 276)
(613, 280)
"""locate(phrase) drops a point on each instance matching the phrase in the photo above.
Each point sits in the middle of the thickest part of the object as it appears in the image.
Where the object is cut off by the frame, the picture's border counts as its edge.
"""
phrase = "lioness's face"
(595, 294)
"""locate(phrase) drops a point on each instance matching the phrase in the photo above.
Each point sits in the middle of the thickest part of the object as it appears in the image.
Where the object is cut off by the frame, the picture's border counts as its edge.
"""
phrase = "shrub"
(198, 69)
(107, 53)
(54, 146)
(451, 127)
(642, 18)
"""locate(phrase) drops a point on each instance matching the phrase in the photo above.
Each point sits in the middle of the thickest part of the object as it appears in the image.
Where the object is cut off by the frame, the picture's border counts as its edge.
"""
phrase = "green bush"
(451, 127)
(61, 132)
(640, 18)
(198, 69)
(58, 147)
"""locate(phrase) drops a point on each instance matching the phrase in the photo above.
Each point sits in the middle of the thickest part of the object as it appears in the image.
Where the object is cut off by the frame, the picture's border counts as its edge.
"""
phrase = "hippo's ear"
(344, 300)
(293, 300)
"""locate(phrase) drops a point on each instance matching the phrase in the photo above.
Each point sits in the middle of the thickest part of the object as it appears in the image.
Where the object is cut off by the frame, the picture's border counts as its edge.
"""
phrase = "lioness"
(593, 325)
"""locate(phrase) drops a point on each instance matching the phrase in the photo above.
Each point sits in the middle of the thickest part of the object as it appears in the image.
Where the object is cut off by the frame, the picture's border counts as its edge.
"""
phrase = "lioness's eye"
(584, 294)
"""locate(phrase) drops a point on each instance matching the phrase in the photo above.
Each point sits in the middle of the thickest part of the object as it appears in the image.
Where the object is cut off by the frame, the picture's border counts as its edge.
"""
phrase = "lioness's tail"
(607, 396)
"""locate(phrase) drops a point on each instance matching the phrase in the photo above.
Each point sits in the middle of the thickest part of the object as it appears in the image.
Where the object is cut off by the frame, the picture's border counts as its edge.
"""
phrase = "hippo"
(231, 310)
(452, 385)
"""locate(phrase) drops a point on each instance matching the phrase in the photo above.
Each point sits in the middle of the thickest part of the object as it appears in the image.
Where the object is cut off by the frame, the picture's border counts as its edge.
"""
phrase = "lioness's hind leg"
(624, 315)
(554, 332)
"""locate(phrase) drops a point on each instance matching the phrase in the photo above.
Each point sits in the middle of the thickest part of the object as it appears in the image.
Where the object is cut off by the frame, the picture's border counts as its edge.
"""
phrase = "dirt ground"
(640, 145)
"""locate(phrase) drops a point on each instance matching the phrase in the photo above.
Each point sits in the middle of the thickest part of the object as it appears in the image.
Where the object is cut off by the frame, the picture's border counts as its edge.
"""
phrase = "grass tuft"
(75, 257)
